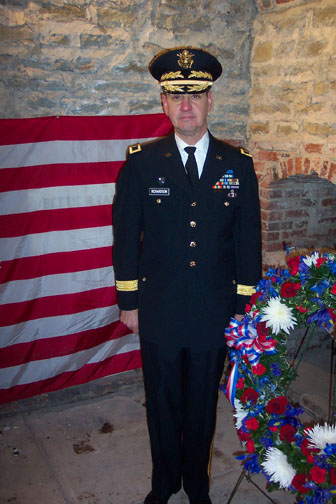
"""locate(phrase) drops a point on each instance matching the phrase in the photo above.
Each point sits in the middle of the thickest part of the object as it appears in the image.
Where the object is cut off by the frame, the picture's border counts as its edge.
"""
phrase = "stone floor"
(89, 444)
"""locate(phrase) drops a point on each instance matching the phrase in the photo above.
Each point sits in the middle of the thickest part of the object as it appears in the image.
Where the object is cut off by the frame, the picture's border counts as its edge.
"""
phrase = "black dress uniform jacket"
(187, 258)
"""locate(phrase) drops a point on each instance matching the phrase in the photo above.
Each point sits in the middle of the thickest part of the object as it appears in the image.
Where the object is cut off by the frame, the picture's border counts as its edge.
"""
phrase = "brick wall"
(292, 129)
(299, 211)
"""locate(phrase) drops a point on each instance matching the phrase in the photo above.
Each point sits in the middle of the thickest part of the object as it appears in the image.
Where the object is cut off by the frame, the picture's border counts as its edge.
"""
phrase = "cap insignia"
(185, 59)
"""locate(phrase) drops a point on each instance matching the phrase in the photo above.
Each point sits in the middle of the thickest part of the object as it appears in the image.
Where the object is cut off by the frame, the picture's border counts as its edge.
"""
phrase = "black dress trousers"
(181, 387)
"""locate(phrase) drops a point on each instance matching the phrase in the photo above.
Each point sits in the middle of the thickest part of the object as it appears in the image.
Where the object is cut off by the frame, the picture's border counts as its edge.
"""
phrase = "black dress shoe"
(151, 499)
(204, 501)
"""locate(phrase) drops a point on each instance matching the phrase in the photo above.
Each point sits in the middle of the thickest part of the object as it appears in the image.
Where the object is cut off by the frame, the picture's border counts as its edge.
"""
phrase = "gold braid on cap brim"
(192, 85)
(172, 75)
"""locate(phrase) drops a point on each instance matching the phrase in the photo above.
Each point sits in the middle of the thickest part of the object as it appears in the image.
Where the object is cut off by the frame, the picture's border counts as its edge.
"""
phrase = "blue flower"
(330, 449)
(275, 369)
(320, 287)
(252, 464)
(266, 441)
(321, 317)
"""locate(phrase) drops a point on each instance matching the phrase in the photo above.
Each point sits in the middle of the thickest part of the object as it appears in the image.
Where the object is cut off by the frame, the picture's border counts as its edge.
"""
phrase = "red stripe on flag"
(48, 348)
(50, 306)
(115, 364)
(34, 177)
(62, 219)
(26, 227)
(58, 262)
(44, 129)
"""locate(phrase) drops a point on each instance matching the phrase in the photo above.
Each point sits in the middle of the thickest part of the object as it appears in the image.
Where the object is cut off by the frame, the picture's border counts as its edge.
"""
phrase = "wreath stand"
(303, 345)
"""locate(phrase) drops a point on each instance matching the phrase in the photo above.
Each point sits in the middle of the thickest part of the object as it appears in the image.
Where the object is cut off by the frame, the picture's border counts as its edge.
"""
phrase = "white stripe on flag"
(64, 151)
(17, 291)
(52, 327)
(52, 198)
(48, 368)
(55, 241)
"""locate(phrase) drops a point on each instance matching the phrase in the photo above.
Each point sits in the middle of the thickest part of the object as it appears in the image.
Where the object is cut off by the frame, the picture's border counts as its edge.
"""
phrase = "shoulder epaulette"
(245, 152)
(132, 149)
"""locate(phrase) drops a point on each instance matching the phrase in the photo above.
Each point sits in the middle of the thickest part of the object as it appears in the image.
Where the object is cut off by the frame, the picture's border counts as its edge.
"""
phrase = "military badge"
(227, 181)
(162, 180)
(232, 194)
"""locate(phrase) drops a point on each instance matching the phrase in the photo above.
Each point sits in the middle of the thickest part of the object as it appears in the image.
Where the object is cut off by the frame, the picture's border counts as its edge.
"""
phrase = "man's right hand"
(130, 319)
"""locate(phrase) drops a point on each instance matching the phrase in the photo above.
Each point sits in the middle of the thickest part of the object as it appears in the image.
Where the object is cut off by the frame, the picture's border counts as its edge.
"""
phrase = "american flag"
(58, 315)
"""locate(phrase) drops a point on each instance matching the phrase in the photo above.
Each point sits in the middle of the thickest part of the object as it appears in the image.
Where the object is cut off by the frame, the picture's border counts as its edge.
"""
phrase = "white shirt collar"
(202, 144)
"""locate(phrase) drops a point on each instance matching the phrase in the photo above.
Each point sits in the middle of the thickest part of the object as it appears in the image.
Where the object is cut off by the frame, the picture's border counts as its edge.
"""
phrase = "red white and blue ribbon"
(243, 336)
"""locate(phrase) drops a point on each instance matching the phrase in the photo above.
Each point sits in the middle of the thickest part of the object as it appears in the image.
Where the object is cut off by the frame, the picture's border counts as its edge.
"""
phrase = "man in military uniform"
(187, 257)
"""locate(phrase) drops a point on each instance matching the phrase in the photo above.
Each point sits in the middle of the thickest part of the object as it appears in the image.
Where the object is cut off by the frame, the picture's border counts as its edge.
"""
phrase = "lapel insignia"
(227, 182)
(168, 154)
(245, 152)
(162, 180)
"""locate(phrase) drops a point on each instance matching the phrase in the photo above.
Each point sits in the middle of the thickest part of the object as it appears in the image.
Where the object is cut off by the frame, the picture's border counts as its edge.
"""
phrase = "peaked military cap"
(185, 70)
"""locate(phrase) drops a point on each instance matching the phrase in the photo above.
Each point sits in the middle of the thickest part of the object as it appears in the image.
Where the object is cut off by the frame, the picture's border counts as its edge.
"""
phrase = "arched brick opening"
(298, 199)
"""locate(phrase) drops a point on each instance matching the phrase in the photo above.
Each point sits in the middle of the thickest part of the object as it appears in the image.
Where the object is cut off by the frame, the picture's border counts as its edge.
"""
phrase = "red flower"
(262, 329)
(254, 297)
(277, 405)
(248, 308)
(249, 395)
(301, 309)
(289, 289)
(332, 475)
(252, 424)
(273, 428)
(250, 446)
(240, 383)
(332, 314)
(243, 436)
(318, 474)
(308, 451)
(293, 264)
(287, 433)
(320, 261)
(333, 289)
(258, 369)
(298, 481)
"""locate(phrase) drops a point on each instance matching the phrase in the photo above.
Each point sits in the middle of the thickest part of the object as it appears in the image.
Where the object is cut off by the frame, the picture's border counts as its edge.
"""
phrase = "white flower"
(240, 413)
(310, 260)
(278, 468)
(320, 435)
(278, 316)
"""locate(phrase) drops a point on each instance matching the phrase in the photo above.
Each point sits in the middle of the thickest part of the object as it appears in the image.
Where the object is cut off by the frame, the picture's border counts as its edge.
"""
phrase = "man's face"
(188, 114)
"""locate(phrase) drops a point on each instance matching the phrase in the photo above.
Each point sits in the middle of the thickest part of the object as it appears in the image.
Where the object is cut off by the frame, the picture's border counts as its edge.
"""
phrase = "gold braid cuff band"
(245, 290)
(127, 285)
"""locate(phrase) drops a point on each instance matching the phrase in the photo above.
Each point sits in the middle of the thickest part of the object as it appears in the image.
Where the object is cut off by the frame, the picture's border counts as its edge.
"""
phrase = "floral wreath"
(299, 459)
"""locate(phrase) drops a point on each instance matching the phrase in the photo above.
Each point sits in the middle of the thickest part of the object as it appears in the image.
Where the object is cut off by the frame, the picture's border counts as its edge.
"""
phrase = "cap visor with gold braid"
(185, 70)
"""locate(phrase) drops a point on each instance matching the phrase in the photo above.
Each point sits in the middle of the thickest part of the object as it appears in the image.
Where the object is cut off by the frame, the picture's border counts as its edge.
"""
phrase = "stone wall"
(90, 57)
(292, 129)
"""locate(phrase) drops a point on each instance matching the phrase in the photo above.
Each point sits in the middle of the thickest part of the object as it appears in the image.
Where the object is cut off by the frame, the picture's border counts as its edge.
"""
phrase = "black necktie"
(191, 166)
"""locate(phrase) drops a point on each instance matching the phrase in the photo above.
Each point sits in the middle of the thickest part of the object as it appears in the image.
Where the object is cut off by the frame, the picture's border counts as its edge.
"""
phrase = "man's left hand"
(239, 317)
